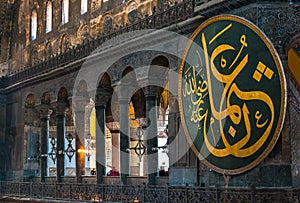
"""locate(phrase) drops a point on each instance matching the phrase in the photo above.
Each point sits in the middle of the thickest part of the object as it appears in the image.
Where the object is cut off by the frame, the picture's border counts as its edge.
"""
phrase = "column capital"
(125, 90)
(151, 91)
(61, 108)
(103, 94)
(79, 103)
(45, 111)
(124, 101)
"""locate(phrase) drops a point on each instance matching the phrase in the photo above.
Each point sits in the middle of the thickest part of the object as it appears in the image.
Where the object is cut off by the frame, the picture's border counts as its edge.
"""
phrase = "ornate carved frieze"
(278, 21)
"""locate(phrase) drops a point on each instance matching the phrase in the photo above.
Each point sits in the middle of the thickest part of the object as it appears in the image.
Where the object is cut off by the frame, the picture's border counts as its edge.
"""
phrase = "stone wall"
(277, 166)
(99, 19)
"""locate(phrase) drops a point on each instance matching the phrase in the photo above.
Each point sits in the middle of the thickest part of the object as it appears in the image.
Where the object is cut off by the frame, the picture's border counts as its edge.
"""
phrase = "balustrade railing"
(162, 194)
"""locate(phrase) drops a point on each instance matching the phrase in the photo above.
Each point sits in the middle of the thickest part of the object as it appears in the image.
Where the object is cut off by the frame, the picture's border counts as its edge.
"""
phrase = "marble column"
(115, 142)
(151, 133)
(100, 143)
(102, 98)
(124, 140)
(79, 103)
(172, 130)
(79, 141)
(80, 156)
(45, 113)
(61, 134)
(114, 128)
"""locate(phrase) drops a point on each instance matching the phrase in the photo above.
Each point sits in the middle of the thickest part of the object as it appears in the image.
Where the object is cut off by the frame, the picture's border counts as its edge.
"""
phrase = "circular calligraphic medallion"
(232, 94)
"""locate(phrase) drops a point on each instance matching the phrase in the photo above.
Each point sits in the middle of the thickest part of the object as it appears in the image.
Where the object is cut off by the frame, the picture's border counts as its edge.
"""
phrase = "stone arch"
(82, 33)
(159, 69)
(31, 136)
(104, 80)
(131, 5)
(106, 23)
(34, 56)
(104, 93)
(160, 60)
(65, 43)
(62, 94)
(82, 88)
(63, 97)
(30, 101)
(139, 104)
(131, 9)
(48, 49)
(128, 75)
(46, 98)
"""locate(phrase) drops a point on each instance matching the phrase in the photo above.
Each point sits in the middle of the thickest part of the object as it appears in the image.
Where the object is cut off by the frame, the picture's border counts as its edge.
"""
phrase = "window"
(65, 11)
(33, 24)
(49, 17)
(84, 5)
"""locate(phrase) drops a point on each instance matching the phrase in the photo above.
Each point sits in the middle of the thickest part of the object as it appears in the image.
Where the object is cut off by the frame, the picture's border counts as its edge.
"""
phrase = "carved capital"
(45, 111)
(61, 108)
(124, 101)
(125, 90)
(103, 95)
(151, 91)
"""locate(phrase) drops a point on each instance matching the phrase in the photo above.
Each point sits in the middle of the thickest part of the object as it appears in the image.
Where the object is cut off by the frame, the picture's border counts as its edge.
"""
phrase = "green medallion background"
(253, 83)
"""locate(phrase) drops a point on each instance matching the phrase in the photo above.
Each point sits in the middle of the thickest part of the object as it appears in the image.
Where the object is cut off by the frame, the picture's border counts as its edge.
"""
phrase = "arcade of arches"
(104, 128)
(58, 128)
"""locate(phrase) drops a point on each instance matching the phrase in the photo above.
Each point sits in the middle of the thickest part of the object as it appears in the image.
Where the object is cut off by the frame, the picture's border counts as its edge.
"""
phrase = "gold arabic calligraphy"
(197, 90)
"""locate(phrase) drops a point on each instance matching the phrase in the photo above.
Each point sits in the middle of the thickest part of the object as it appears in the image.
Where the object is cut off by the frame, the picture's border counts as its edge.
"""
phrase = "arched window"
(84, 5)
(108, 24)
(65, 11)
(49, 17)
(33, 24)
(64, 43)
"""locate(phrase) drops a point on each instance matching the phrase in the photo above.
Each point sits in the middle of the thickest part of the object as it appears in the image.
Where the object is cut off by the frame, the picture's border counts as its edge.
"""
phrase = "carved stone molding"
(45, 111)
(151, 91)
(103, 95)
(61, 108)
(125, 91)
